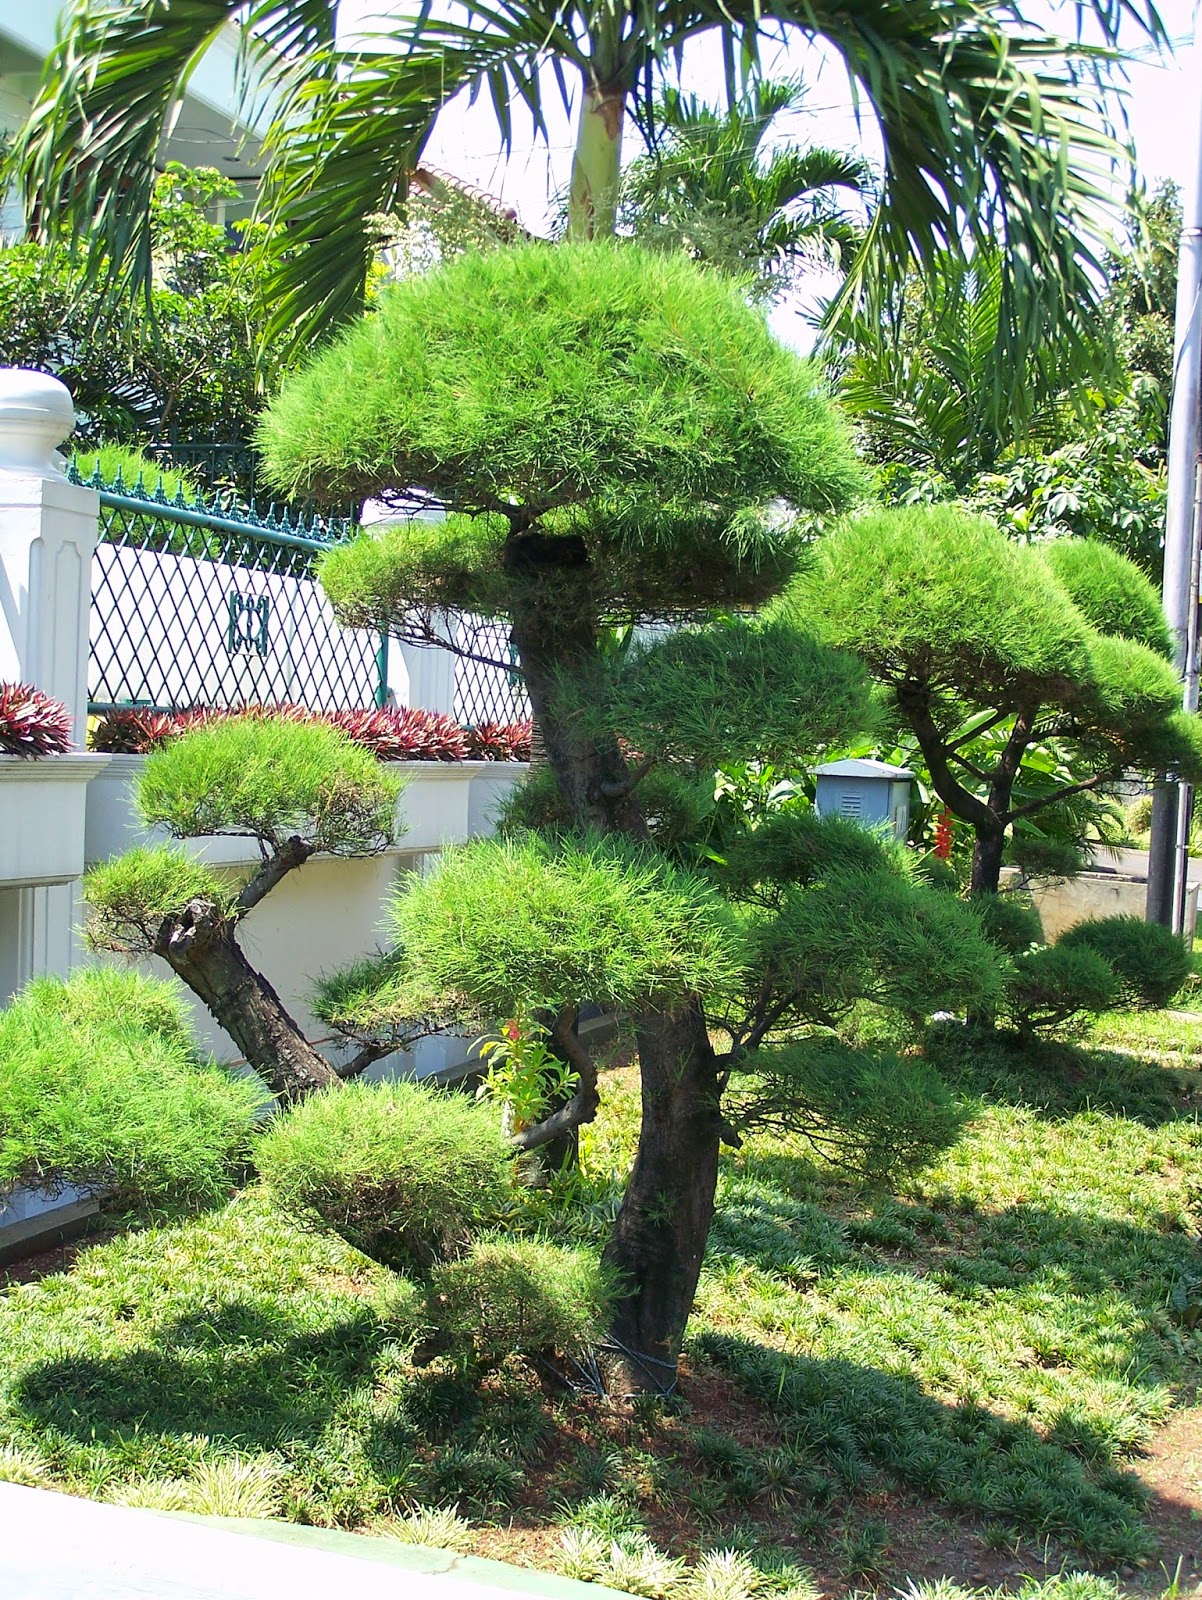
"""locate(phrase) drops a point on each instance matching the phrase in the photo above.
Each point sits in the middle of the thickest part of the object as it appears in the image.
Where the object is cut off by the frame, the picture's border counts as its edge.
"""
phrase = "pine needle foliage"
(623, 405)
(272, 779)
(499, 926)
(1111, 592)
(1150, 962)
(403, 1172)
(101, 1087)
(873, 936)
(527, 1295)
(736, 691)
(878, 1115)
(130, 897)
(1057, 985)
(934, 594)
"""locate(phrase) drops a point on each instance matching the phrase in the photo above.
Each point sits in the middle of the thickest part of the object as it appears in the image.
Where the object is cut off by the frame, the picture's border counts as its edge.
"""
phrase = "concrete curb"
(57, 1547)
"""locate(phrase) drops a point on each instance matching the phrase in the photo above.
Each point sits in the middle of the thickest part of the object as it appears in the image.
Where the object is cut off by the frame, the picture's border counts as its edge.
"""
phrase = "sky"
(1162, 100)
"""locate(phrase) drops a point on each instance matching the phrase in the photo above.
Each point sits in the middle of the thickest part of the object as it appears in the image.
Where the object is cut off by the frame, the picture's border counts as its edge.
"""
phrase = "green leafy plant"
(523, 1076)
(1056, 985)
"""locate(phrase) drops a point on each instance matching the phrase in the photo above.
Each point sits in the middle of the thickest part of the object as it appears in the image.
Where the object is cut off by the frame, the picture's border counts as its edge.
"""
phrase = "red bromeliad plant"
(396, 733)
(31, 723)
(499, 741)
(404, 733)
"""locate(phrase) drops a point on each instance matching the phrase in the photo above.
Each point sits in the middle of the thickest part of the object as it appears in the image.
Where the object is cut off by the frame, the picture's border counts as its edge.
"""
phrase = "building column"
(48, 531)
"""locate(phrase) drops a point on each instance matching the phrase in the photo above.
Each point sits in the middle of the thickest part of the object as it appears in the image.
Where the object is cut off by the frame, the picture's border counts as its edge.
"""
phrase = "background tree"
(977, 638)
(990, 128)
(296, 789)
(709, 186)
(183, 364)
(523, 370)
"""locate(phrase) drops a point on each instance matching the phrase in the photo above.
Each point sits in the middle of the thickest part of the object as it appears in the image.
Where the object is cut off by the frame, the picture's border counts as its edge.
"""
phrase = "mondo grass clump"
(405, 1173)
(101, 1088)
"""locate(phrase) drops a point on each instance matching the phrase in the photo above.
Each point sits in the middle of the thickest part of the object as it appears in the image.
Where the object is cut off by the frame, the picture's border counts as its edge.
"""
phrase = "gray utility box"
(871, 793)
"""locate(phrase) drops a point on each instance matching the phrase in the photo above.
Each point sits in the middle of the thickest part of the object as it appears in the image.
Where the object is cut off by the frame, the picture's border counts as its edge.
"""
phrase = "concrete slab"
(56, 1547)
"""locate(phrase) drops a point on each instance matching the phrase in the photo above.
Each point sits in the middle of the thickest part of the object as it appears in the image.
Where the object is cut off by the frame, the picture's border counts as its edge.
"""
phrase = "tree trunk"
(659, 1237)
(201, 949)
(597, 164)
(662, 1227)
(987, 861)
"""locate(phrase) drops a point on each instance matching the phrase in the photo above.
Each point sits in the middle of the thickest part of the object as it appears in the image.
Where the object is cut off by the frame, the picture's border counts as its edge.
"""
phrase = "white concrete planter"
(42, 818)
(443, 803)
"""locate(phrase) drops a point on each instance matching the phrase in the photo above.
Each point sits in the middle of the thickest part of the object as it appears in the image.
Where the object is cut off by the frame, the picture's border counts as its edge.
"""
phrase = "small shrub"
(31, 723)
(1055, 985)
(1150, 962)
(1044, 859)
(232, 1487)
(99, 1087)
(135, 469)
(404, 1173)
(439, 1529)
(521, 1295)
(1009, 922)
(403, 733)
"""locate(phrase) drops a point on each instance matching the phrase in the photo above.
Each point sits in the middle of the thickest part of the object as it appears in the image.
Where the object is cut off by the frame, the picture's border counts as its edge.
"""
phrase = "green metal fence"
(199, 602)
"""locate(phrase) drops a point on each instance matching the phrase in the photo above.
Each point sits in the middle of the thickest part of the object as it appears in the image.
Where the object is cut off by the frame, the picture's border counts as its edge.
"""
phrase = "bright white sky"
(1162, 101)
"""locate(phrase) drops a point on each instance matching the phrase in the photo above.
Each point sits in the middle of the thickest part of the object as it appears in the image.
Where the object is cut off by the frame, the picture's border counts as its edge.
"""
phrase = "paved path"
(55, 1547)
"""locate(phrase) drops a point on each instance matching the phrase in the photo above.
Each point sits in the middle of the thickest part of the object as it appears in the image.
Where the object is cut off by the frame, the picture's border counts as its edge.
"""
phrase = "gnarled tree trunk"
(660, 1235)
(199, 946)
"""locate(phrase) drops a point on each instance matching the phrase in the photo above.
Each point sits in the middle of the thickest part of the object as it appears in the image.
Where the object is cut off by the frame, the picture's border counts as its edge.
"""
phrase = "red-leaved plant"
(499, 741)
(31, 723)
(393, 733)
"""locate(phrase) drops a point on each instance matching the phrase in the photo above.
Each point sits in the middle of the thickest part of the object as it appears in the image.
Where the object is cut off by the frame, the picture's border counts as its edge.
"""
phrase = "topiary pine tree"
(297, 789)
(1062, 643)
(615, 438)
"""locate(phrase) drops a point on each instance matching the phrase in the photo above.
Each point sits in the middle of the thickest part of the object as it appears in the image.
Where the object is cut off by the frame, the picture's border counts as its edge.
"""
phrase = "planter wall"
(331, 911)
(42, 808)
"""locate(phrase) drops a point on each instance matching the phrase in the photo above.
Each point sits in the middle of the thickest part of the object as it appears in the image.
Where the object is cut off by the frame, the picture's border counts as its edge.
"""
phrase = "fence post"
(47, 535)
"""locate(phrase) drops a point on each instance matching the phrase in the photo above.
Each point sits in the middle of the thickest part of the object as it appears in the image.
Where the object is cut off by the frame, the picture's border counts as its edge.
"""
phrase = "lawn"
(988, 1377)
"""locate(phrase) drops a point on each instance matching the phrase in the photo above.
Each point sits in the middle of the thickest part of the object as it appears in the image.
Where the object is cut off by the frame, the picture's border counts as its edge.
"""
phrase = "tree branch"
(915, 703)
(1058, 794)
(582, 1107)
(627, 785)
(974, 733)
(292, 853)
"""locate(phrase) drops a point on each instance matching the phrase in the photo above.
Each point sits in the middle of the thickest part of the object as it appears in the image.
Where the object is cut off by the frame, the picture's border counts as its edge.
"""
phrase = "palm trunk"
(597, 164)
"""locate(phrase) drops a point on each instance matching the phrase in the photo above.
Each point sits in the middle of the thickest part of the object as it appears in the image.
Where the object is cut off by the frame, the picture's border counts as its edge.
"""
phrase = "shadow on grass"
(855, 1418)
(1055, 1078)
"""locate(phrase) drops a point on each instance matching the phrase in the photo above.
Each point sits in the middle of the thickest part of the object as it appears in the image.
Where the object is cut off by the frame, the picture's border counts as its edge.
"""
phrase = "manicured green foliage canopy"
(296, 787)
(274, 780)
(990, 648)
(100, 1085)
(617, 401)
(405, 1173)
(1150, 962)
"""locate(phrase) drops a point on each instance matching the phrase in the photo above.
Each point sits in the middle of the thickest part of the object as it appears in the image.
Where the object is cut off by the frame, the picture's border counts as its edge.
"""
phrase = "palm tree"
(706, 186)
(990, 127)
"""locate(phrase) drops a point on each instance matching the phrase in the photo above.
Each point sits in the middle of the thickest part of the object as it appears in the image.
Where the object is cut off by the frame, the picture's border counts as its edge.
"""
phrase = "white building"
(208, 132)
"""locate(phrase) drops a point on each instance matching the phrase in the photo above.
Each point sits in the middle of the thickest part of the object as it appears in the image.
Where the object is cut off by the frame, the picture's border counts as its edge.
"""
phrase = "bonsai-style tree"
(988, 648)
(297, 790)
(615, 439)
